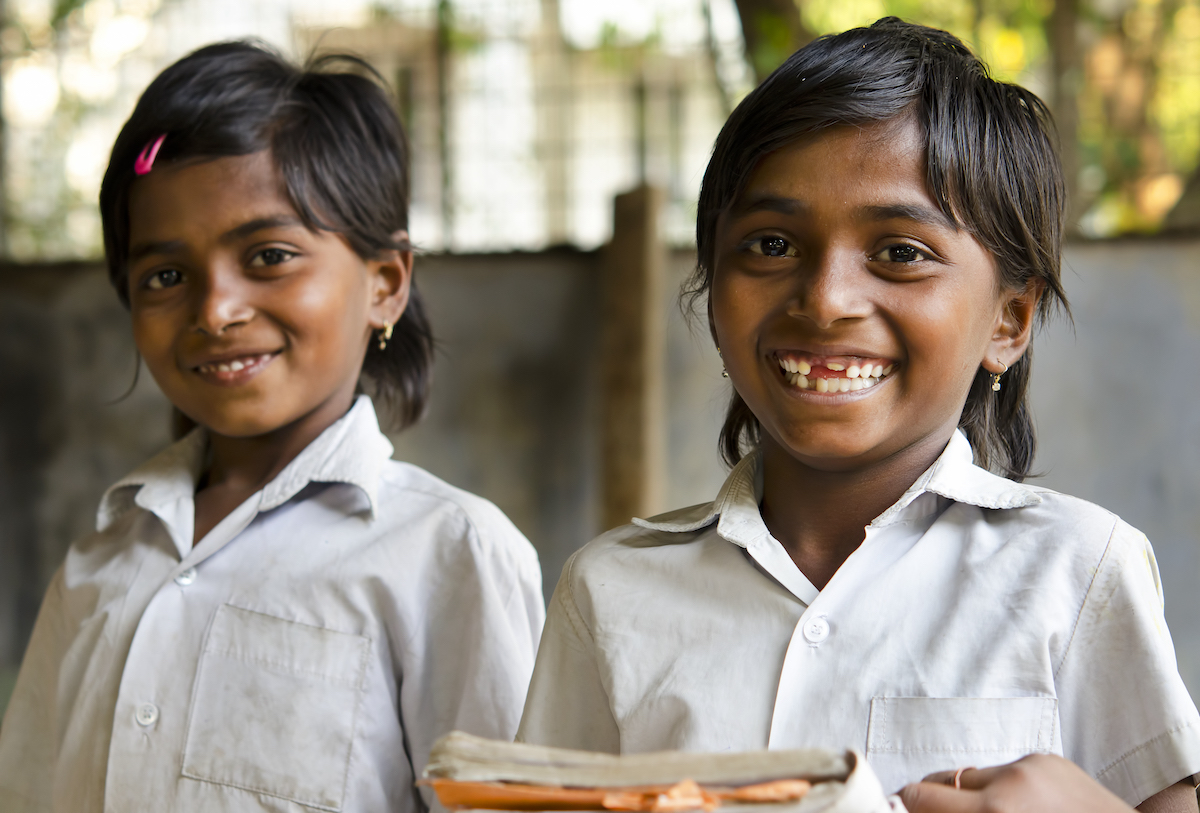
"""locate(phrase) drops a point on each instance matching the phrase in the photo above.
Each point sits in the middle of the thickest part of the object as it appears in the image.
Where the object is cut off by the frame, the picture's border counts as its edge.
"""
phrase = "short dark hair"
(992, 166)
(338, 144)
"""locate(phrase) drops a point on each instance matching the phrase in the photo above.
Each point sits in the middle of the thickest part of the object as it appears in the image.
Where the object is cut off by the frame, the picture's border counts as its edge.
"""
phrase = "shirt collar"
(953, 476)
(352, 451)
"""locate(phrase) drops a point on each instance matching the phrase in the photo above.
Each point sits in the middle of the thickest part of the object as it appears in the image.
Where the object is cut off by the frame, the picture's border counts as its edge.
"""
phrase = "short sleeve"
(469, 669)
(30, 737)
(1126, 716)
(567, 705)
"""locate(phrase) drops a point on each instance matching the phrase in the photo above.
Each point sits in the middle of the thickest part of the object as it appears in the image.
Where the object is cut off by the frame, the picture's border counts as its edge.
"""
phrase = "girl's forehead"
(206, 193)
(878, 159)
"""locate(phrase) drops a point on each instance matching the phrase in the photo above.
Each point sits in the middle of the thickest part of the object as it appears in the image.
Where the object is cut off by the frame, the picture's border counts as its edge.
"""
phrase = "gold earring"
(996, 376)
(724, 372)
(384, 335)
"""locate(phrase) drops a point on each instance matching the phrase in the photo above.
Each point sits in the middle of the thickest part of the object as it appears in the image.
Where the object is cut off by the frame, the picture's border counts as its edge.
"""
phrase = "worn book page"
(841, 783)
(474, 759)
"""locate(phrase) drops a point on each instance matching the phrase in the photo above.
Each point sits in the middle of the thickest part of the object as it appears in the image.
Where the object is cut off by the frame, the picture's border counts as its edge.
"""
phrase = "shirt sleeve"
(568, 706)
(29, 736)
(1126, 716)
(483, 615)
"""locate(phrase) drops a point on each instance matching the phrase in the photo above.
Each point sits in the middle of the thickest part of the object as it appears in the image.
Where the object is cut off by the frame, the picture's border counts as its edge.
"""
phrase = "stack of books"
(469, 772)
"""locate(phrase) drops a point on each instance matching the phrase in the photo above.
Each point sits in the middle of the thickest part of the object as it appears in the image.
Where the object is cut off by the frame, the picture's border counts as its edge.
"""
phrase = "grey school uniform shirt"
(303, 656)
(979, 621)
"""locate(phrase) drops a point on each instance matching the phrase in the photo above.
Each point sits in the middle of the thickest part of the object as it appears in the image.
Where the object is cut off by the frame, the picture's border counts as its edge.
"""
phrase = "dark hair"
(338, 144)
(992, 166)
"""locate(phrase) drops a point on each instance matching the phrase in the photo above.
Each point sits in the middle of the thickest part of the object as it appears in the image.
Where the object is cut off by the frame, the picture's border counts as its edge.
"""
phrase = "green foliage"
(773, 42)
(1137, 87)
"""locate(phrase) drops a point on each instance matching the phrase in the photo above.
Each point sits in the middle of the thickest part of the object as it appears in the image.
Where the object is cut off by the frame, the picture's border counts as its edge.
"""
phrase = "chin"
(830, 453)
(238, 423)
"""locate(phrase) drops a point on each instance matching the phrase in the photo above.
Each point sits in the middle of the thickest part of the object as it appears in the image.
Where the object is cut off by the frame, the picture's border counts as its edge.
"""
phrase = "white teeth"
(236, 365)
(224, 368)
(857, 377)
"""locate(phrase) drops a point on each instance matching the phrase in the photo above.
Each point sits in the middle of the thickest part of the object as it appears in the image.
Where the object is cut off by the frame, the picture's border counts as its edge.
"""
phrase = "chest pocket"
(273, 709)
(911, 737)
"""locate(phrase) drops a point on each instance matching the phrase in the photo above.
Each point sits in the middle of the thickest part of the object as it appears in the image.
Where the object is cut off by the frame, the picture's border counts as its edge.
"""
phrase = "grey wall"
(1117, 404)
(513, 415)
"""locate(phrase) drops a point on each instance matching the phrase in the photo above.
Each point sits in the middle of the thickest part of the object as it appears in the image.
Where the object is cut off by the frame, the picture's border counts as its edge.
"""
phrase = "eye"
(901, 253)
(271, 256)
(166, 278)
(772, 247)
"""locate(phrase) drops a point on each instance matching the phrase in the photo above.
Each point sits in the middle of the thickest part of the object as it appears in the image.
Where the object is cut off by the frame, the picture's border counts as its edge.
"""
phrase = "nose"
(830, 288)
(221, 302)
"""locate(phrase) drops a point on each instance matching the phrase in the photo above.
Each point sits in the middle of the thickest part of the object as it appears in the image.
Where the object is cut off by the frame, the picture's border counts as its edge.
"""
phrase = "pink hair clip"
(145, 160)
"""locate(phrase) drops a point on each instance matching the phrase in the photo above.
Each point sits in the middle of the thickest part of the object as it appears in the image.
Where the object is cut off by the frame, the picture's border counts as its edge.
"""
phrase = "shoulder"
(664, 535)
(1072, 519)
(645, 555)
(413, 499)
(1067, 544)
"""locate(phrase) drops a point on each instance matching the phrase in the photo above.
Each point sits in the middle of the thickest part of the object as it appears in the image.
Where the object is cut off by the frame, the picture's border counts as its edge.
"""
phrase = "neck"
(820, 516)
(246, 464)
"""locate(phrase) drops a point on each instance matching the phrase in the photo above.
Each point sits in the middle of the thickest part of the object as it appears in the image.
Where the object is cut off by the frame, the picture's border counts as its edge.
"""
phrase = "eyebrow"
(925, 215)
(240, 232)
(770, 203)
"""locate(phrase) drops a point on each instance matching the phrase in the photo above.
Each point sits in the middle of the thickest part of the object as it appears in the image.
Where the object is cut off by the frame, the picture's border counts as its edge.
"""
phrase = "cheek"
(730, 312)
(153, 332)
(334, 312)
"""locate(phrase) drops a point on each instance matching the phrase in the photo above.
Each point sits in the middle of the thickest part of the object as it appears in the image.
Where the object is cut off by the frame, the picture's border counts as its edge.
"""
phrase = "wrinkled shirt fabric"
(304, 655)
(979, 621)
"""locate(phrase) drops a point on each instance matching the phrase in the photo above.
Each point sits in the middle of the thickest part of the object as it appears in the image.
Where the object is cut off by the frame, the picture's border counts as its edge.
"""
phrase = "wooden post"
(633, 365)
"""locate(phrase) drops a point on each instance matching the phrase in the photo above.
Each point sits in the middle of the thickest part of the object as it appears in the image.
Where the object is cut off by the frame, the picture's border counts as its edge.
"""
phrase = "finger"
(930, 797)
(980, 778)
(971, 778)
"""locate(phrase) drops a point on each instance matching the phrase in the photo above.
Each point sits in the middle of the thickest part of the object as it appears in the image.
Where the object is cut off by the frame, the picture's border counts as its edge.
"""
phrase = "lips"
(231, 369)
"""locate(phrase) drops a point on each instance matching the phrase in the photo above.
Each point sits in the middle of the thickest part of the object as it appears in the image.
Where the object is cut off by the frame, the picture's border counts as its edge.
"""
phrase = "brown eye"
(167, 278)
(772, 247)
(902, 253)
(271, 256)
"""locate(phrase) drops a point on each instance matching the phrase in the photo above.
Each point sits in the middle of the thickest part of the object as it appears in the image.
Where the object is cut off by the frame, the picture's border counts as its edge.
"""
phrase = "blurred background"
(558, 149)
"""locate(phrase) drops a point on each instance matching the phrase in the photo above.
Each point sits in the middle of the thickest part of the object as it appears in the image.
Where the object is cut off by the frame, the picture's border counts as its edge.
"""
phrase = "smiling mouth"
(235, 370)
(833, 374)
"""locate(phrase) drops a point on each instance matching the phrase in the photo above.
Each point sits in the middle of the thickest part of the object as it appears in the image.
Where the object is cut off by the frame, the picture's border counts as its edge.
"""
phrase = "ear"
(390, 281)
(712, 325)
(1014, 327)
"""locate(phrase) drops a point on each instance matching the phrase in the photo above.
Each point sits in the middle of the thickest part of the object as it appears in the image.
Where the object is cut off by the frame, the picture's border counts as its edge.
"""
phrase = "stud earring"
(724, 372)
(384, 335)
(996, 376)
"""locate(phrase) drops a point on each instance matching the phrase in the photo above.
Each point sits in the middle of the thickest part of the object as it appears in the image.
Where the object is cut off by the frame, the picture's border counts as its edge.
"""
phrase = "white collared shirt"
(980, 620)
(304, 655)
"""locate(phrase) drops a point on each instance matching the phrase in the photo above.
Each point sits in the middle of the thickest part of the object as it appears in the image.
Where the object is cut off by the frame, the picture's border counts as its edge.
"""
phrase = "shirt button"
(816, 630)
(186, 577)
(146, 715)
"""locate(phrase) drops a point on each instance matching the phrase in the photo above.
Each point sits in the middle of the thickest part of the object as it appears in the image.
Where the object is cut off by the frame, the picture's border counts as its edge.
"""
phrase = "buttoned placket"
(150, 718)
(814, 639)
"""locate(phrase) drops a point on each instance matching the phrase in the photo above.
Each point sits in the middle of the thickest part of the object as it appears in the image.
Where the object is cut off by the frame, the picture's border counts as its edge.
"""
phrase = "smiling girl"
(272, 614)
(878, 232)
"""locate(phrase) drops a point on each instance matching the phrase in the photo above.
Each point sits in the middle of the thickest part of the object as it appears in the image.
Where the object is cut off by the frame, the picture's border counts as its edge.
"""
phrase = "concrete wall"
(1117, 403)
(514, 411)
